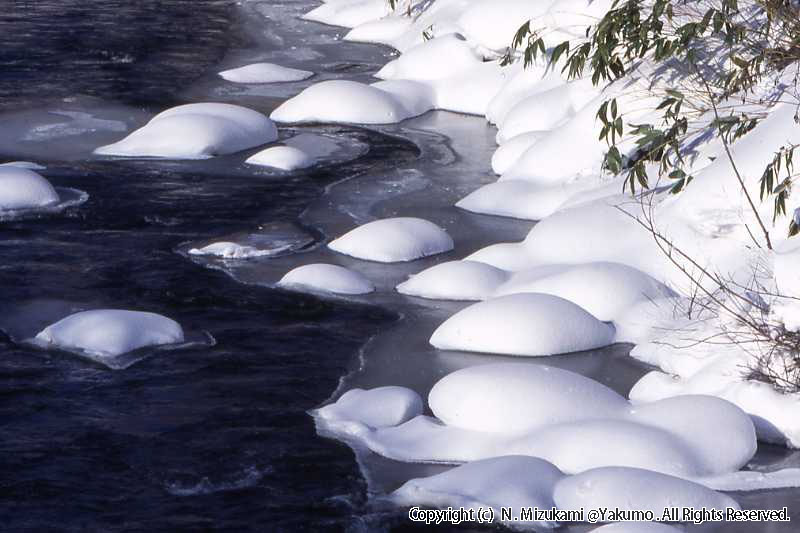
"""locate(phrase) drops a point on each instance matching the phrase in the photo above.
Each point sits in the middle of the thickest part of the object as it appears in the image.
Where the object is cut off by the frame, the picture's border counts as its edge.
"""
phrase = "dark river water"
(210, 438)
(217, 436)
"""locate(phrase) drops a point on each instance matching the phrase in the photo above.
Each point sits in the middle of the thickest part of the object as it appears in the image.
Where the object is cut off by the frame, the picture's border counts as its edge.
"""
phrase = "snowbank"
(21, 188)
(196, 131)
(264, 73)
(525, 325)
(107, 333)
(510, 151)
(355, 103)
(455, 280)
(391, 240)
(327, 278)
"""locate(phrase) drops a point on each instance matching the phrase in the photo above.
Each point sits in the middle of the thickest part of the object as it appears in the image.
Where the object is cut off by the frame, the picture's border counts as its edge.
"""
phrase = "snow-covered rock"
(493, 24)
(511, 256)
(606, 290)
(510, 151)
(327, 278)
(382, 31)
(515, 398)
(635, 489)
(348, 13)
(524, 324)
(517, 199)
(107, 333)
(355, 103)
(21, 188)
(264, 73)
(196, 131)
(230, 250)
(392, 240)
(432, 60)
(285, 158)
(455, 280)
(373, 408)
(24, 164)
(511, 481)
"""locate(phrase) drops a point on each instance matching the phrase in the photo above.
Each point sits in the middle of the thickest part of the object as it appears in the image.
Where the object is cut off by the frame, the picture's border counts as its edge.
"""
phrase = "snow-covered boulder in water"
(510, 481)
(21, 188)
(374, 408)
(455, 280)
(516, 398)
(604, 289)
(264, 73)
(355, 103)
(525, 325)
(110, 332)
(392, 240)
(635, 489)
(196, 131)
(431, 60)
(327, 278)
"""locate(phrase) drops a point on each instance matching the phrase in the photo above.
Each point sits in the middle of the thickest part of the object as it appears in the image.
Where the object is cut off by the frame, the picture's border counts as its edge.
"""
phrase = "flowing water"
(216, 436)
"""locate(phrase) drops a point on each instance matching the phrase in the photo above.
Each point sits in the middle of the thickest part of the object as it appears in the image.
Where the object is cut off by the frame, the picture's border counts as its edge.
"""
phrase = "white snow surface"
(510, 481)
(264, 73)
(107, 333)
(391, 240)
(455, 280)
(525, 324)
(373, 408)
(327, 278)
(21, 188)
(355, 103)
(634, 489)
(196, 131)
(286, 158)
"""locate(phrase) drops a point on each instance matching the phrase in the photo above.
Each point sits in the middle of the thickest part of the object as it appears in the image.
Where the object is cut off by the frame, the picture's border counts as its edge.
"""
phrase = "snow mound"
(515, 398)
(634, 489)
(523, 324)
(432, 60)
(327, 278)
(383, 31)
(286, 158)
(264, 73)
(510, 151)
(374, 408)
(355, 103)
(514, 481)
(511, 256)
(606, 290)
(493, 24)
(106, 333)
(196, 131)
(516, 199)
(392, 240)
(348, 13)
(455, 280)
(230, 250)
(21, 188)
